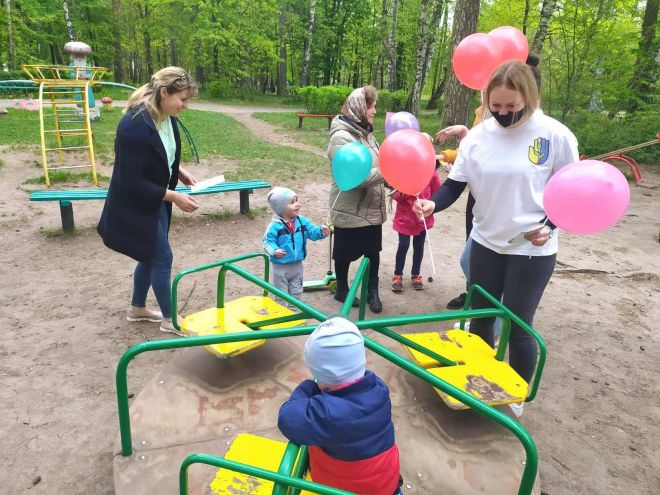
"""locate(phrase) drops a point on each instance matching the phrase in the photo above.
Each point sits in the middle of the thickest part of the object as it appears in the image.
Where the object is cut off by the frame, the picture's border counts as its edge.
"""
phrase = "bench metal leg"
(300, 119)
(66, 212)
(330, 122)
(245, 201)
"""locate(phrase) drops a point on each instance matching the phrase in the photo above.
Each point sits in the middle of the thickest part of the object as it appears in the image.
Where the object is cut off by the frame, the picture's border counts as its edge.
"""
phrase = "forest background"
(600, 59)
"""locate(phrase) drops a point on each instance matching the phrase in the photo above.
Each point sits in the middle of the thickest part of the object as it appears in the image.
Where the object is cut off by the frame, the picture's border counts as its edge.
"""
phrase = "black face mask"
(509, 118)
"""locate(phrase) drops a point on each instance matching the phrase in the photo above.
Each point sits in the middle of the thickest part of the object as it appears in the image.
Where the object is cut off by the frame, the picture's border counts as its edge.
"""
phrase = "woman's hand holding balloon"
(539, 236)
(423, 208)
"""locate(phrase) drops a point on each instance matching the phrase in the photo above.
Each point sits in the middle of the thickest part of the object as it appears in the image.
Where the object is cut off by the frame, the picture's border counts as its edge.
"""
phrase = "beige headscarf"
(357, 106)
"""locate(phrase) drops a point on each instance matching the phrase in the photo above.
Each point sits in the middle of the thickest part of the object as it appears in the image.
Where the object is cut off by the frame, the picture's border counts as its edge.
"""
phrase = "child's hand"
(325, 230)
(280, 253)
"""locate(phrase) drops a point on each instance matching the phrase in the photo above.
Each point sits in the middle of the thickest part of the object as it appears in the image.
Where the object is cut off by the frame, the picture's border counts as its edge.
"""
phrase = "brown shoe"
(417, 283)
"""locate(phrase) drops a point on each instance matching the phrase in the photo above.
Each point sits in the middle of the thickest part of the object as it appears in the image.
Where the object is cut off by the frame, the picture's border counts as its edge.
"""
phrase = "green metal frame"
(282, 478)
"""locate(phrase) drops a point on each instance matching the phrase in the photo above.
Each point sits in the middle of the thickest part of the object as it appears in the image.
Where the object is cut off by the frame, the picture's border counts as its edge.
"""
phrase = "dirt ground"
(596, 420)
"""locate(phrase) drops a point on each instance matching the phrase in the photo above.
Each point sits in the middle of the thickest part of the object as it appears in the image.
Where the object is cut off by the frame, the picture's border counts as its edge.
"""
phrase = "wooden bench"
(302, 116)
(245, 188)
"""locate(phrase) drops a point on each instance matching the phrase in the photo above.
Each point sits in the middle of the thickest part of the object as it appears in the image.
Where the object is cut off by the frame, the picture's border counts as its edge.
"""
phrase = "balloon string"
(327, 221)
(428, 237)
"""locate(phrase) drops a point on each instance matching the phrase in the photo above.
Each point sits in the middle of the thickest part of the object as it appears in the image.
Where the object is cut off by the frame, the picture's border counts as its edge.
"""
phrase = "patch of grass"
(63, 176)
(223, 214)
(315, 131)
(218, 134)
(214, 133)
(257, 212)
(55, 233)
(2, 164)
(21, 127)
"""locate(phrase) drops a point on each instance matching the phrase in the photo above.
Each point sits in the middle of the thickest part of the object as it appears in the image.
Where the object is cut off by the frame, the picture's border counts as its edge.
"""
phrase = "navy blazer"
(139, 180)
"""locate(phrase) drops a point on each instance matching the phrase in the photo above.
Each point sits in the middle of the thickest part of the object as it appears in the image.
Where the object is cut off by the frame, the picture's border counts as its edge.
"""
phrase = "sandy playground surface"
(596, 420)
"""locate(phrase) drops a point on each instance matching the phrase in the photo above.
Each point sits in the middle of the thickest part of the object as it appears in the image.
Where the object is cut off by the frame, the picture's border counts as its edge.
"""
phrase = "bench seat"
(245, 188)
(302, 116)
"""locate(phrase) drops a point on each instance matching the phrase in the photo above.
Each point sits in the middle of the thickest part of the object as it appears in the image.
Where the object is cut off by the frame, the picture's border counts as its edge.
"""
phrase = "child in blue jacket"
(285, 240)
(344, 415)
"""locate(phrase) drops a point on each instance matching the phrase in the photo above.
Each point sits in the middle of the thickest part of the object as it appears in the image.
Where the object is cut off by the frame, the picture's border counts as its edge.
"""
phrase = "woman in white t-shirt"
(507, 161)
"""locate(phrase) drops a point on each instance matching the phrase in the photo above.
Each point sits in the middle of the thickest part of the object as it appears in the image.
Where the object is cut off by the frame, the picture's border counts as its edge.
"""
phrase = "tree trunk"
(67, 21)
(547, 9)
(147, 39)
(429, 17)
(281, 64)
(175, 56)
(437, 92)
(391, 49)
(457, 98)
(117, 52)
(307, 55)
(377, 78)
(525, 17)
(442, 64)
(643, 82)
(11, 52)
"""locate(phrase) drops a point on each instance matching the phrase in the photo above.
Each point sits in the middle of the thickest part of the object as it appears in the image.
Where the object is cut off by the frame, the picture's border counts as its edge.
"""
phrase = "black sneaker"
(457, 302)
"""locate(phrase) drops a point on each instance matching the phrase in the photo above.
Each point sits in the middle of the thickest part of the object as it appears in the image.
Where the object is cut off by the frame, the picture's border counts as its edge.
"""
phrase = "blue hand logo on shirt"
(539, 151)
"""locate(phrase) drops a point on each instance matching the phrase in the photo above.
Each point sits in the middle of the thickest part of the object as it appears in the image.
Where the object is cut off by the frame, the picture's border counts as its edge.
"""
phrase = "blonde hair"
(173, 79)
(516, 76)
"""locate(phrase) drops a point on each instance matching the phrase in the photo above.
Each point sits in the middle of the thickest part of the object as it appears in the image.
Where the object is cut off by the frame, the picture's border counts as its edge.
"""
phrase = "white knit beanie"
(334, 352)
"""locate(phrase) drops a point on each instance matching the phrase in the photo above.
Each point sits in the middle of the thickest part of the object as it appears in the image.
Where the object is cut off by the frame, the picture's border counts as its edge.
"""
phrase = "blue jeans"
(156, 273)
(465, 266)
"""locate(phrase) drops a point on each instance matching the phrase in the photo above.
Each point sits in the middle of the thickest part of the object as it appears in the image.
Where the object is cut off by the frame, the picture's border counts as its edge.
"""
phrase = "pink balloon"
(512, 43)
(586, 197)
(407, 161)
(475, 59)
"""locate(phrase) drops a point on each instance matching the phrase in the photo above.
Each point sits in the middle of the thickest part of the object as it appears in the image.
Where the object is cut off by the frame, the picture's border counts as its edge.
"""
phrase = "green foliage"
(323, 100)
(598, 133)
(392, 101)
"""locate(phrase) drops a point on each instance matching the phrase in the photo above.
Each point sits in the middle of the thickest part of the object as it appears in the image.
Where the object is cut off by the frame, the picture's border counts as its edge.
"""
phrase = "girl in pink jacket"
(407, 224)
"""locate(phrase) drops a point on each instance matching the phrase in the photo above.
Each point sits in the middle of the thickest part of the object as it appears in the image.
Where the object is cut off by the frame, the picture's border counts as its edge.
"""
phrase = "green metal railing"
(282, 479)
(379, 325)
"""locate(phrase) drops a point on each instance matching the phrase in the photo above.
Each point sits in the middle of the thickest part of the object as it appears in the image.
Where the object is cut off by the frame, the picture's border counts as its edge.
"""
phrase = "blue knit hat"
(278, 197)
(334, 352)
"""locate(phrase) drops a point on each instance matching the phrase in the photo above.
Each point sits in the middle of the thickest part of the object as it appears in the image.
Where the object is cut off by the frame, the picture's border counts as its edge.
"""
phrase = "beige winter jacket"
(365, 204)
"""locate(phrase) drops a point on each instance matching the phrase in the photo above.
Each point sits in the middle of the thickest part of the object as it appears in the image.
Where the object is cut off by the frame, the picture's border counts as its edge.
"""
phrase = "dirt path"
(596, 420)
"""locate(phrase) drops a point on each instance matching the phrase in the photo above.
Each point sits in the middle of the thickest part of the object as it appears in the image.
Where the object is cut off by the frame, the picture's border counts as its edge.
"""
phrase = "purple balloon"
(399, 121)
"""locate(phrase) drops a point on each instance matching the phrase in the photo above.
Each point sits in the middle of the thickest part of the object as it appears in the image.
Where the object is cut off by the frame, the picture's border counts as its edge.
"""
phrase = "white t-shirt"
(507, 170)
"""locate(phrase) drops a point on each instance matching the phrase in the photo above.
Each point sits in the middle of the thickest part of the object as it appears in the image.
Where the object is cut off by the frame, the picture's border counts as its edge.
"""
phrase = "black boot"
(342, 292)
(373, 300)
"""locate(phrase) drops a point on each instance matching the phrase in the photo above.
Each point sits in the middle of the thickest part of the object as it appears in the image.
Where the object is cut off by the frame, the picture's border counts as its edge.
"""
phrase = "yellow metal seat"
(255, 451)
(478, 372)
(233, 319)
(457, 345)
(491, 381)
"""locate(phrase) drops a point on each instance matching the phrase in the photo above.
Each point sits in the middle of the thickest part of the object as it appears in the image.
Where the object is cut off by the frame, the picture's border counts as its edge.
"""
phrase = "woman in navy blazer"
(137, 212)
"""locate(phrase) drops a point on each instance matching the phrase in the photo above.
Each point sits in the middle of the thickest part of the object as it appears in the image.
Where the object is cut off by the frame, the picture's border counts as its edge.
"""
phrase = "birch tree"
(429, 17)
(307, 50)
(547, 9)
(457, 98)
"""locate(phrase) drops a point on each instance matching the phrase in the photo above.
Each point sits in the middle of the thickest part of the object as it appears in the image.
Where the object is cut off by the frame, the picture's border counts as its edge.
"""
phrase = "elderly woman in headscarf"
(358, 215)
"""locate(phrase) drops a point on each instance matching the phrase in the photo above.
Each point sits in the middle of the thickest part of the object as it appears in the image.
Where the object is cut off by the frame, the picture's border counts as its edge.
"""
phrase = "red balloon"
(511, 42)
(407, 161)
(475, 59)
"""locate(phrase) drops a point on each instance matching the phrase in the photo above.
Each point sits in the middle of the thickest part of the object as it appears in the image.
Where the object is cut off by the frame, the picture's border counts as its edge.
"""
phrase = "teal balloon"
(351, 165)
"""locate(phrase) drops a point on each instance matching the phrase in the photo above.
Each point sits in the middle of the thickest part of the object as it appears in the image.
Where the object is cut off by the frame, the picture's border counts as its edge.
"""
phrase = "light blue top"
(166, 134)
